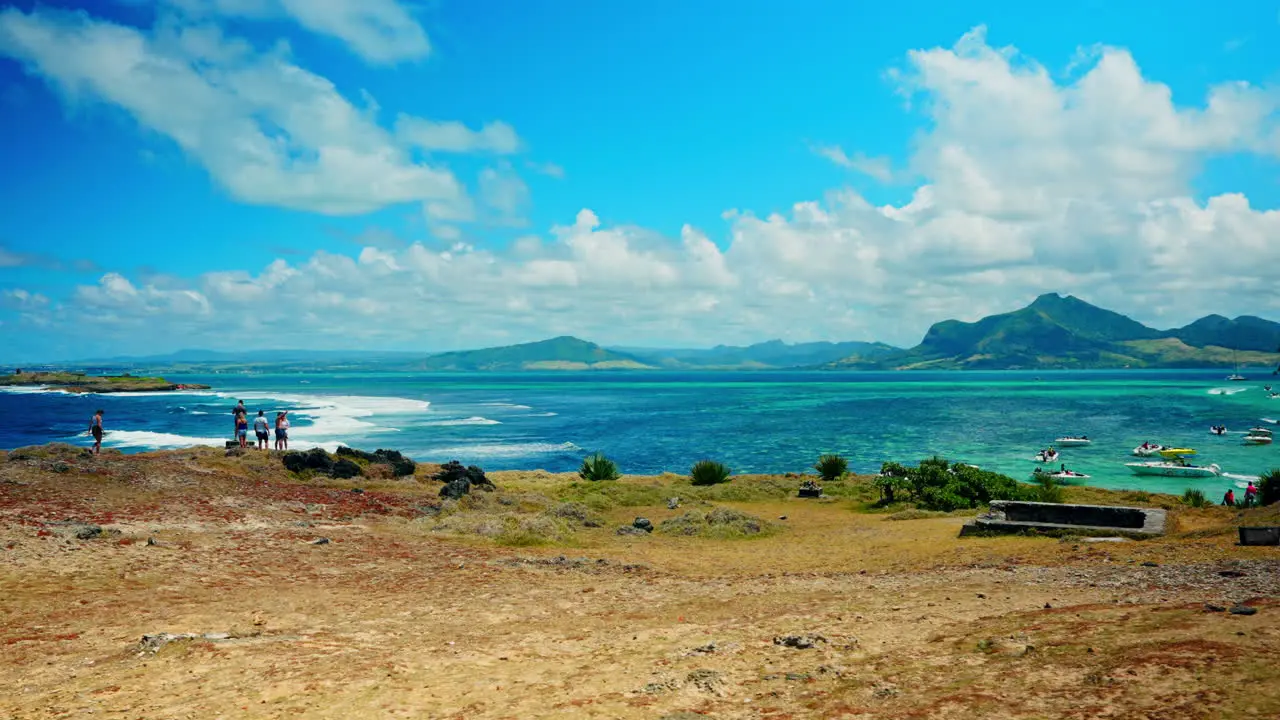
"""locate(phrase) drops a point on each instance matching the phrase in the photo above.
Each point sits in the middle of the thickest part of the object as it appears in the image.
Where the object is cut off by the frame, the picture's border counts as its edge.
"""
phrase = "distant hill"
(770, 354)
(1244, 333)
(1067, 332)
(561, 353)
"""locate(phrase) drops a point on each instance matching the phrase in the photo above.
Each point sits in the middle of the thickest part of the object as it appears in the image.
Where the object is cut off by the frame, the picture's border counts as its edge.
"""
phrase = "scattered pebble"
(320, 541)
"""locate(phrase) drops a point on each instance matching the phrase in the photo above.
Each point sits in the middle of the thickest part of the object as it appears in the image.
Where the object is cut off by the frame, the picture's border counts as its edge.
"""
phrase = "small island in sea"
(76, 382)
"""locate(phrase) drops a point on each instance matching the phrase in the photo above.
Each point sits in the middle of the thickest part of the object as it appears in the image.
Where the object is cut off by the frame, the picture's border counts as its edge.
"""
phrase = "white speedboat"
(1148, 450)
(1258, 436)
(1047, 456)
(1062, 477)
(1218, 429)
(1173, 469)
(1236, 377)
(1073, 441)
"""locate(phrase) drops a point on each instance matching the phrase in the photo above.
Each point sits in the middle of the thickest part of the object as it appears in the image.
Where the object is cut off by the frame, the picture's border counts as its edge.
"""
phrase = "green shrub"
(1047, 490)
(891, 482)
(939, 485)
(709, 472)
(597, 467)
(831, 467)
(1194, 498)
(1269, 487)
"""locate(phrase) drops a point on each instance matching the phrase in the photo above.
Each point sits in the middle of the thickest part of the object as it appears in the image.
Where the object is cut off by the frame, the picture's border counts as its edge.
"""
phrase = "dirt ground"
(391, 618)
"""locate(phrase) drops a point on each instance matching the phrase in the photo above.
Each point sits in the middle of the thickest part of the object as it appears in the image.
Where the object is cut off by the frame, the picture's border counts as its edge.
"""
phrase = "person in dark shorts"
(95, 429)
(282, 430)
(260, 428)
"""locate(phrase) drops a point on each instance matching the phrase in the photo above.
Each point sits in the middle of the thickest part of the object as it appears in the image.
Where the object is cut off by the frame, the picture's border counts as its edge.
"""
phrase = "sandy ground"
(390, 620)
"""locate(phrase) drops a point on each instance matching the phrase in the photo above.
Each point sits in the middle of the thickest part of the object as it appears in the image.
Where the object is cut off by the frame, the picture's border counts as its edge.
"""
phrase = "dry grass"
(421, 608)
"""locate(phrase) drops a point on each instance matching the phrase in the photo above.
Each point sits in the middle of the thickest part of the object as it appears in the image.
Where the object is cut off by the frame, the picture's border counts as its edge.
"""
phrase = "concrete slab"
(1008, 516)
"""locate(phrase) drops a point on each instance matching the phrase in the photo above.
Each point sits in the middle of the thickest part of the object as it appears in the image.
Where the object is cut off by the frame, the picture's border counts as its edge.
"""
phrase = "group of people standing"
(1250, 496)
(261, 427)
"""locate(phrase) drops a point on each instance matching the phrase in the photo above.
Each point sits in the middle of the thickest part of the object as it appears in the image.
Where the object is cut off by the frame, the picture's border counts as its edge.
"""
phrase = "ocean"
(766, 421)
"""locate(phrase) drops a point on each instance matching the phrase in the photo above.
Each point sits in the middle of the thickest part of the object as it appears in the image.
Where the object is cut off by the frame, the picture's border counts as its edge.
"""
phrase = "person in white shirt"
(262, 429)
(282, 430)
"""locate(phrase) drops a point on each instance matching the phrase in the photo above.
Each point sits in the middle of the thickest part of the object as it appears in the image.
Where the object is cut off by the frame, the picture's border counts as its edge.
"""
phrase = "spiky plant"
(831, 467)
(597, 467)
(1195, 498)
(709, 472)
(1269, 487)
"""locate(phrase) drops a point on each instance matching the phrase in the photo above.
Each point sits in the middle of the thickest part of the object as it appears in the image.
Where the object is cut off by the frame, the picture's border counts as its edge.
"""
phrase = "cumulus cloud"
(269, 131)
(1031, 184)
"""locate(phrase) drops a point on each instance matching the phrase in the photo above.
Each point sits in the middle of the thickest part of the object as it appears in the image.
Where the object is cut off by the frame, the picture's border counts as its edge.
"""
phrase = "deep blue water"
(650, 422)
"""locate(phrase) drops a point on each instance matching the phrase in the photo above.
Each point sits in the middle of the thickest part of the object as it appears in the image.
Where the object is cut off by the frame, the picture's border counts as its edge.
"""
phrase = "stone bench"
(1009, 516)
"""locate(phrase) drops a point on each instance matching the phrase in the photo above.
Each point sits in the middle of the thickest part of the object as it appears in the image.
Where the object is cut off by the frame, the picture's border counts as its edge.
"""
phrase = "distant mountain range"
(1053, 332)
(1067, 332)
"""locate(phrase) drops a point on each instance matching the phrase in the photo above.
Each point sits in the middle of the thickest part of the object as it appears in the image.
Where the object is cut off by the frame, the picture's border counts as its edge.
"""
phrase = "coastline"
(381, 594)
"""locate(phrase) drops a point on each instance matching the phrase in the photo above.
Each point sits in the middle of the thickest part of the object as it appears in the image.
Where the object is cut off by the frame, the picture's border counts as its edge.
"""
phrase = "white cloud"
(380, 31)
(502, 190)
(268, 130)
(1032, 184)
(496, 137)
(549, 169)
(879, 168)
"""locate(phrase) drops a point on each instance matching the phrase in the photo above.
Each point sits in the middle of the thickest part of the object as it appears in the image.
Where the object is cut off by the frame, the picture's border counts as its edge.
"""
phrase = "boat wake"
(1227, 390)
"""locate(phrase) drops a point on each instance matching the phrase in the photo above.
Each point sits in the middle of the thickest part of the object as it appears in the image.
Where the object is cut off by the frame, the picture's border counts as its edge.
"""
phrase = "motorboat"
(1173, 468)
(1172, 453)
(1047, 456)
(1071, 441)
(1258, 436)
(1218, 429)
(1061, 477)
(1236, 377)
(1148, 450)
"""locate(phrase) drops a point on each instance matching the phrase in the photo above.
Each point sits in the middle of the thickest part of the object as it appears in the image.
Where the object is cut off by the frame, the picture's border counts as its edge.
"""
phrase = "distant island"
(80, 383)
(1056, 332)
(1053, 332)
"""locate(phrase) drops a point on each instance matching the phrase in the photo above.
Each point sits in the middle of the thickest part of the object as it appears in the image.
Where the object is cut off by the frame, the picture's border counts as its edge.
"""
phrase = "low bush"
(720, 522)
(939, 485)
(1047, 490)
(1194, 498)
(1269, 487)
(598, 468)
(831, 467)
(709, 472)
(579, 513)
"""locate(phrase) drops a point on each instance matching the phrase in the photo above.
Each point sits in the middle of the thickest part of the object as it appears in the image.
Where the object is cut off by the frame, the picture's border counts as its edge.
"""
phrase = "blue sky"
(748, 171)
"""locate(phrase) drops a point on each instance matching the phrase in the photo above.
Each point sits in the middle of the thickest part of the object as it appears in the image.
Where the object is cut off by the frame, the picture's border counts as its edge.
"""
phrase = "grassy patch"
(720, 523)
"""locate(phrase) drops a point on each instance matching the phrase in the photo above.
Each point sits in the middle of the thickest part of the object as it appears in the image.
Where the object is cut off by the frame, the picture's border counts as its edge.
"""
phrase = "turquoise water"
(753, 421)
